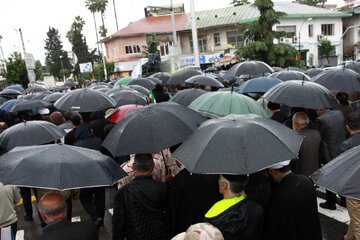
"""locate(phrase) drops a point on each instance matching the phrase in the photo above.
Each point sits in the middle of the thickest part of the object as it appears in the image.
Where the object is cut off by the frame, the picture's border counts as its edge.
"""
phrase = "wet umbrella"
(238, 145)
(30, 104)
(354, 66)
(2, 100)
(303, 94)
(53, 97)
(123, 81)
(128, 97)
(9, 92)
(250, 68)
(295, 69)
(6, 106)
(290, 75)
(119, 89)
(119, 113)
(187, 96)
(61, 167)
(15, 87)
(39, 96)
(258, 85)
(341, 175)
(339, 79)
(140, 89)
(163, 76)
(312, 72)
(155, 80)
(146, 83)
(179, 77)
(84, 100)
(35, 89)
(210, 69)
(70, 84)
(60, 88)
(219, 104)
(151, 129)
(204, 81)
(277, 69)
(98, 86)
(30, 133)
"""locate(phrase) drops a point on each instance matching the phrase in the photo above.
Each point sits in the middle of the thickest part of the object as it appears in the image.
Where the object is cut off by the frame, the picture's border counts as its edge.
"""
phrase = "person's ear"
(43, 216)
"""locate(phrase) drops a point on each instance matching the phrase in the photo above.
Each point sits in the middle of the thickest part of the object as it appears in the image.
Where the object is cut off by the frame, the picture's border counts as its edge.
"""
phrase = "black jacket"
(139, 210)
(243, 221)
(85, 138)
(351, 142)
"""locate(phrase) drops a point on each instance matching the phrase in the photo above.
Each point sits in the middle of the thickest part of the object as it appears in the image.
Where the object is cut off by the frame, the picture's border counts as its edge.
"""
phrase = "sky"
(36, 16)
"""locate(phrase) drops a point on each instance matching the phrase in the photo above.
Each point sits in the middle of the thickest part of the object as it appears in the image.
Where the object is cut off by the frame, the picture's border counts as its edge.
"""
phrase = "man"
(236, 216)
(3, 126)
(331, 124)
(75, 121)
(309, 154)
(44, 113)
(9, 196)
(291, 212)
(277, 114)
(52, 208)
(139, 206)
(353, 127)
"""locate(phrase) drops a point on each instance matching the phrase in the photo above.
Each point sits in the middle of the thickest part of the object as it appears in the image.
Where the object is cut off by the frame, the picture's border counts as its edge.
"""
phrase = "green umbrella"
(223, 103)
(123, 81)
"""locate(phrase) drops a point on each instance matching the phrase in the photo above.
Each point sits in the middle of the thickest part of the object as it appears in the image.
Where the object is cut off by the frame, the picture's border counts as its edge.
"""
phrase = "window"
(310, 30)
(164, 48)
(290, 30)
(202, 42)
(217, 39)
(114, 52)
(132, 49)
(235, 39)
(327, 29)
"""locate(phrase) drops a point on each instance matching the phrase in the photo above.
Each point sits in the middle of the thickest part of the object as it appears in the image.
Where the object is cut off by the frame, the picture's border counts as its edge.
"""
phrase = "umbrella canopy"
(238, 145)
(98, 86)
(339, 79)
(84, 100)
(258, 85)
(151, 129)
(6, 106)
(219, 104)
(155, 80)
(146, 83)
(30, 104)
(70, 84)
(295, 69)
(60, 88)
(250, 68)
(30, 133)
(119, 89)
(2, 100)
(163, 76)
(181, 76)
(210, 69)
(39, 96)
(61, 167)
(53, 97)
(290, 75)
(119, 113)
(341, 175)
(140, 89)
(277, 69)
(15, 87)
(204, 81)
(128, 97)
(187, 96)
(123, 81)
(354, 66)
(10, 92)
(303, 94)
(312, 72)
(35, 89)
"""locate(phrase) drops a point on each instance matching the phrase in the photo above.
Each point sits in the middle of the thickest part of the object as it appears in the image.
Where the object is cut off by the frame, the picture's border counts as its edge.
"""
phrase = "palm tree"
(101, 7)
(92, 6)
(117, 27)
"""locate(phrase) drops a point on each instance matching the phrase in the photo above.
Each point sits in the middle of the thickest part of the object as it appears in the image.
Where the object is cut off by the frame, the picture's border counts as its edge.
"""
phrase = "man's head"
(274, 107)
(76, 120)
(56, 118)
(320, 112)
(300, 120)
(343, 98)
(207, 88)
(353, 122)
(3, 126)
(232, 185)
(143, 164)
(277, 171)
(52, 207)
(44, 112)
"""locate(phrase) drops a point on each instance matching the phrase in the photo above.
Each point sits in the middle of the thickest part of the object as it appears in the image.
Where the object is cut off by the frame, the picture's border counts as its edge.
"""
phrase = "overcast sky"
(36, 16)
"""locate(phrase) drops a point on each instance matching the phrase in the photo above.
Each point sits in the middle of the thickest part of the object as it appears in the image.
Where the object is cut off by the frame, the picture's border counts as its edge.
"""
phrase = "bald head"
(52, 207)
(300, 120)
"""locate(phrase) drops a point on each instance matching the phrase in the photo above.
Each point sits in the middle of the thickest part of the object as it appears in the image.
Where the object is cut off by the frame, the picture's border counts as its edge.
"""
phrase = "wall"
(119, 44)
(351, 39)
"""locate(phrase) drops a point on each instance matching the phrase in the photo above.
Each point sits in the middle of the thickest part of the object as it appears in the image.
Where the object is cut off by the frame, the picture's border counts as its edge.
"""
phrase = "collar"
(284, 176)
(48, 226)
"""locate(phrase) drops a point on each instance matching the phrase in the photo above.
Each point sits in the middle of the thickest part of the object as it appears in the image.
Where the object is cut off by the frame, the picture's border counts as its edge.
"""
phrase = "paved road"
(334, 223)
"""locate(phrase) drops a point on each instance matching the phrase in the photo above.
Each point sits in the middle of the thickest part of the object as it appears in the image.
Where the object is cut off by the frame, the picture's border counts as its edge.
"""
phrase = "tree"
(312, 2)
(16, 70)
(92, 6)
(326, 49)
(236, 3)
(38, 70)
(151, 45)
(99, 70)
(260, 38)
(102, 4)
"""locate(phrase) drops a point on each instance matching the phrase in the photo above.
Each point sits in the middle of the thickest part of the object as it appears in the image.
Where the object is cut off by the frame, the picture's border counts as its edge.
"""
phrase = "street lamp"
(62, 66)
(309, 19)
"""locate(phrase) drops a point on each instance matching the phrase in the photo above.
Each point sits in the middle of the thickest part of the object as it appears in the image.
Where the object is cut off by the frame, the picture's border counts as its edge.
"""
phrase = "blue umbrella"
(15, 87)
(9, 104)
(258, 85)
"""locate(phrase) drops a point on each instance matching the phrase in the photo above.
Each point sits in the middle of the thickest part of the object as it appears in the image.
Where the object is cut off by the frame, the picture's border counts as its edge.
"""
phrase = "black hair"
(143, 162)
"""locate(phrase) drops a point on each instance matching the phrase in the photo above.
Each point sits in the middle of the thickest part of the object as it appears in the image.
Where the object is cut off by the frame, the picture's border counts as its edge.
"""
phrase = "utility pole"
(174, 28)
(22, 41)
(104, 63)
(117, 27)
(2, 55)
(194, 35)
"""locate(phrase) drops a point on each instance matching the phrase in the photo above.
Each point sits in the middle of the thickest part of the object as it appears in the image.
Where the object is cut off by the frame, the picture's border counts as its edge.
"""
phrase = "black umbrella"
(354, 66)
(339, 79)
(146, 83)
(35, 89)
(61, 167)
(295, 69)
(204, 80)
(39, 96)
(163, 76)
(155, 80)
(70, 84)
(187, 96)
(179, 77)
(151, 129)
(53, 97)
(30, 104)
(250, 68)
(10, 92)
(238, 144)
(140, 89)
(30, 133)
(119, 89)
(98, 86)
(290, 75)
(277, 69)
(2, 100)
(210, 69)
(60, 88)
(312, 72)
(128, 97)
(303, 94)
(84, 100)
(341, 175)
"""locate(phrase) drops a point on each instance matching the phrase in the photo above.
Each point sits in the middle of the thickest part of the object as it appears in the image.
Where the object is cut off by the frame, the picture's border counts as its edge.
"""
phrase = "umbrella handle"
(166, 168)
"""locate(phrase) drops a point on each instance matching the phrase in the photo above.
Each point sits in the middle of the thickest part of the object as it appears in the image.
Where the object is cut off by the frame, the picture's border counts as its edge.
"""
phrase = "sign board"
(303, 46)
(31, 76)
(29, 61)
(208, 58)
(85, 68)
(49, 81)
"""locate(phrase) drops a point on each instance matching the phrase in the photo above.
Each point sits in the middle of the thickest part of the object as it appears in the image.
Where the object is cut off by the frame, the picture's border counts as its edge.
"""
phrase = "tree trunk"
(327, 57)
(97, 37)
(117, 27)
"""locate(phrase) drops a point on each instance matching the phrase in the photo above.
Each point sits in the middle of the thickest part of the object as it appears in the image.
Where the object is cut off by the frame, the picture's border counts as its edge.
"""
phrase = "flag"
(152, 97)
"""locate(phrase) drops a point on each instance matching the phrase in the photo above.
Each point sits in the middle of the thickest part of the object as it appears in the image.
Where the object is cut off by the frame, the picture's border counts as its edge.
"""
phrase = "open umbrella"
(70, 84)
(140, 89)
(339, 79)
(6, 106)
(187, 96)
(128, 97)
(290, 75)
(303, 94)
(84, 100)
(341, 175)
(204, 81)
(250, 68)
(30, 133)
(179, 77)
(312, 72)
(219, 104)
(10, 92)
(146, 83)
(53, 97)
(123, 81)
(155, 80)
(163, 76)
(35, 89)
(2, 100)
(354, 66)
(258, 85)
(151, 129)
(119, 89)
(39, 96)
(277, 69)
(30, 104)
(61, 167)
(15, 87)
(210, 69)
(119, 113)
(238, 145)
(295, 69)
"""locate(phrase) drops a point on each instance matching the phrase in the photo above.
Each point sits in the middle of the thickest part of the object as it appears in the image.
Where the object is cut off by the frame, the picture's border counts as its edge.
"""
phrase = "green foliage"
(102, 31)
(99, 70)
(326, 49)
(239, 2)
(16, 70)
(151, 45)
(38, 70)
(311, 2)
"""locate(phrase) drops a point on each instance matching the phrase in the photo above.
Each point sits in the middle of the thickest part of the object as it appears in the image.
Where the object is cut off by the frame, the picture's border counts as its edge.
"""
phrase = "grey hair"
(301, 118)
(49, 212)
(233, 187)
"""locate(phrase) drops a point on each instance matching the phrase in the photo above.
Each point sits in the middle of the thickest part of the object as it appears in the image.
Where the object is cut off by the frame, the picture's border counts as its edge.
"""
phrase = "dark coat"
(139, 210)
(279, 116)
(85, 138)
(71, 231)
(345, 110)
(309, 155)
(258, 189)
(190, 197)
(292, 212)
(243, 221)
(70, 137)
(351, 142)
(333, 132)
